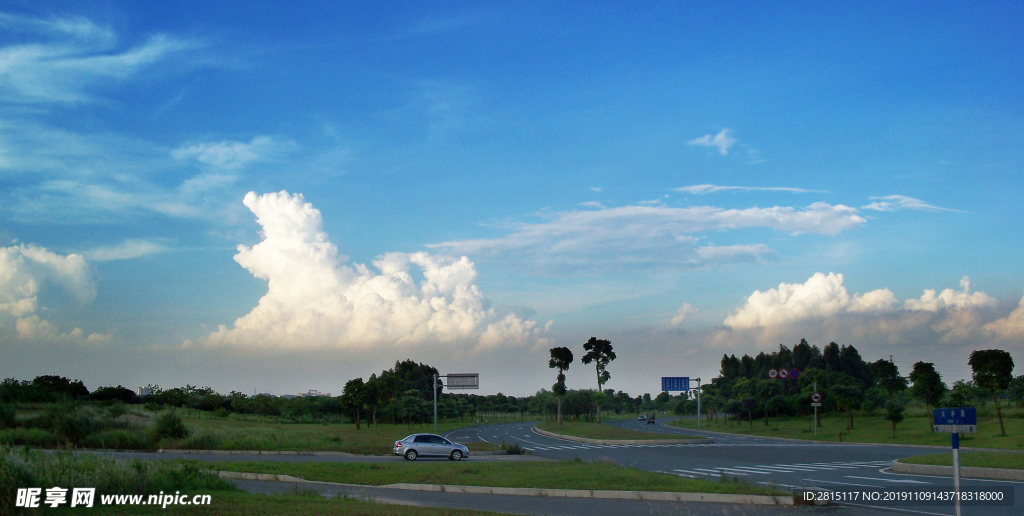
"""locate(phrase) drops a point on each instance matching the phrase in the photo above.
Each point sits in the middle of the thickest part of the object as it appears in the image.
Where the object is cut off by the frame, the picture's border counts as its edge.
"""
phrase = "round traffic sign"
(773, 373)
(783, 374)
(816, 397)
(793, 373)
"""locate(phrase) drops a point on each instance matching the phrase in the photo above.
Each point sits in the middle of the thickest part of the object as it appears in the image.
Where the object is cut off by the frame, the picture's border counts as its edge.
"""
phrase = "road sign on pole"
(816, 397)
(455, 381)
(955, 421)
(774, 373)
(675, 383)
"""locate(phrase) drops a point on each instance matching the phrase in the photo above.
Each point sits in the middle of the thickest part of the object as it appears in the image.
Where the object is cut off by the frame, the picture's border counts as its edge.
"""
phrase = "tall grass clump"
(34, 468)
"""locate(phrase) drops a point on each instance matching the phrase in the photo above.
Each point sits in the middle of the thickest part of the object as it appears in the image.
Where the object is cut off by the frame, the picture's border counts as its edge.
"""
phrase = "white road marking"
(888, 480)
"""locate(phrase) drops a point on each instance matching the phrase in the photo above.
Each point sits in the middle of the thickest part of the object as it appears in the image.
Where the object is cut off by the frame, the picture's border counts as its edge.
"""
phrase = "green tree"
(561, 358)
(928, 386)
(993, 370)
(599, 351)
(894, 412)
(354, 397)
(887, 375)
(1016, 390)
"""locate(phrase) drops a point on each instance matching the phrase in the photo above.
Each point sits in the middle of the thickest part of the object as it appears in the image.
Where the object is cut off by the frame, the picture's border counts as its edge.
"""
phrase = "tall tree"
(600, 352)
(888, 376)
(993, 370)
(560, 359)
(927, 385)
(354, 397)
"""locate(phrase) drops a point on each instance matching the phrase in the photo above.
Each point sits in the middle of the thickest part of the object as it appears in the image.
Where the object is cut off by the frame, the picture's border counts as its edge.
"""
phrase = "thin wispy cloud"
(68, 56)
(127, 250)
(651, 236)
(721, 141)
(707, 189)
(902, 202)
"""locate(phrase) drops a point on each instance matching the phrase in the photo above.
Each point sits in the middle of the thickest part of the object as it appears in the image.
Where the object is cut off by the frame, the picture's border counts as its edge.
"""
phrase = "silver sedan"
(429, 445)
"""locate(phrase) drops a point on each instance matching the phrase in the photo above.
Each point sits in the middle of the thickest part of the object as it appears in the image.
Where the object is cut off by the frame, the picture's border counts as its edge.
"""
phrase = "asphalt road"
(783, 463)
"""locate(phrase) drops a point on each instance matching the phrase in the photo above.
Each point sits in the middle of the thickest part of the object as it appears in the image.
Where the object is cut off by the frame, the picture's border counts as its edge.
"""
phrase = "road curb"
(652, 496)
(703, 440)
(947, 471)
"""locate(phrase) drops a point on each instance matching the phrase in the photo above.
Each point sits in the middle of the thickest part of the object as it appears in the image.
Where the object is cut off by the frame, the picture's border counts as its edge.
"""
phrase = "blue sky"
(259, 196)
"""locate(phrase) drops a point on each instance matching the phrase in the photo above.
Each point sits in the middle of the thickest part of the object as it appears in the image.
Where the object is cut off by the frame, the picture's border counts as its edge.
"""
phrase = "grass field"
(596, 431)
(254, 434)
(575, 474)
(971, 459)
(867, 429)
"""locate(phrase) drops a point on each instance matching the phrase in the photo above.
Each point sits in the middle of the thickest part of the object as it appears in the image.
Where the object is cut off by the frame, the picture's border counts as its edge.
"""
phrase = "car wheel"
(456, 455)
(411, 455)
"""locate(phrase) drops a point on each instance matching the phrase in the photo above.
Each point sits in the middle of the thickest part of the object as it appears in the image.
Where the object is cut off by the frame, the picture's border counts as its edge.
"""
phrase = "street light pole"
(698, 402)
(434, 388)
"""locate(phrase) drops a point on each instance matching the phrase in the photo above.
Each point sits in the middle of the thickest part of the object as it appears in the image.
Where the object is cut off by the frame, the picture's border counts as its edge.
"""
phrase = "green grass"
(596, 431)
(232, 433)
(534, 474)
(302, 504)
(868, 429)
(971, 459)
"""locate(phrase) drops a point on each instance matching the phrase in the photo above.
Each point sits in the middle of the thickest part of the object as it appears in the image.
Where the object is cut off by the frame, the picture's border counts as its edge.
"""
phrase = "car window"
(423, 439)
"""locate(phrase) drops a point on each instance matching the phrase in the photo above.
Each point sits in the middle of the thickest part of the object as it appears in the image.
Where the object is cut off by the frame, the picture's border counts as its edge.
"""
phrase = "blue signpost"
(675, 383)
(681, 383)
(956, 421)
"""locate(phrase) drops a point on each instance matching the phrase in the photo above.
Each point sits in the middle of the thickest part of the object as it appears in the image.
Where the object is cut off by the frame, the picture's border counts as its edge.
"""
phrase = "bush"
(169, 425)
(35, 437)
(118, 440)
(8, 419)
(512, 449)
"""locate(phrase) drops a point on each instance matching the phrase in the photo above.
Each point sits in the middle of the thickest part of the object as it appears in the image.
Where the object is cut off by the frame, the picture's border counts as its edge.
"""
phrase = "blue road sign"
(955, 420)
(675, 383)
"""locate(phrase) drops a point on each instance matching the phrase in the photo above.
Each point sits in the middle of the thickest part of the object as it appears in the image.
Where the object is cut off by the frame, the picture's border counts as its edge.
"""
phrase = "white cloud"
(722, 141)
(706, 189)
(315, 300)
(649, 235)
(1010, 327)
(25, 272)
(901, 202)
(681, 314)
(229, 154)
(126, 250)
(71, 55)
(822, 305)
(950, 299)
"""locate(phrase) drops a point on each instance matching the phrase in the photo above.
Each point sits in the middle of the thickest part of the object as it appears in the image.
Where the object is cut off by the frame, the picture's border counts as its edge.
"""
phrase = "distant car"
(641, 417)
(429, 445)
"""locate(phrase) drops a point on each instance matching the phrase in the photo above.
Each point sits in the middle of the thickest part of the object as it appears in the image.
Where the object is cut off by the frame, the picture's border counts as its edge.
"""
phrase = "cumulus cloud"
(950, 299)
(315, 299)
(1011, 326)
(822, 303)
(706, 189)
(70, 55)
(25, 272)
(820, 296)
(901, 202)
(604, 239)
(722, 141)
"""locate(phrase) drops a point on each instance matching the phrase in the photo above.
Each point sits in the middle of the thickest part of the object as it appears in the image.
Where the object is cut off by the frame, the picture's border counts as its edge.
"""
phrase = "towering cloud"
(25, 272)
(315, 299)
